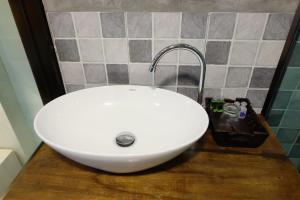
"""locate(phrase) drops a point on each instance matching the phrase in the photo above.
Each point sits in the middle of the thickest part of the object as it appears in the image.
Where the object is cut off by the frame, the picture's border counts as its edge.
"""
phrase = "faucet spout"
(194, 50)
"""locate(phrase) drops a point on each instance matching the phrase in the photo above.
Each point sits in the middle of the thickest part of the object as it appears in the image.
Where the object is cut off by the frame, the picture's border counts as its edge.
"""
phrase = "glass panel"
(285, 113)
(19, 96)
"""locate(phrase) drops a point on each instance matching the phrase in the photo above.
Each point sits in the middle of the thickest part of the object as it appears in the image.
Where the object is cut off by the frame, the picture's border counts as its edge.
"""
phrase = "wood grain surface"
(205, 171)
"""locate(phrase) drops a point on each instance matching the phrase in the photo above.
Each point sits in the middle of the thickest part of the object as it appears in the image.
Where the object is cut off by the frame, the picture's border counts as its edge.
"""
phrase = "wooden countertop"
(205, 171)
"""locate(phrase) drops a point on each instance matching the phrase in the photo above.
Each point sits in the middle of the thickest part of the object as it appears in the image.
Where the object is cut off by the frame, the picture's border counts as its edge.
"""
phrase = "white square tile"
(170, 57)
(243, 53)
(166, 25)
(116, 50)
(187, 57)
(91, 50)
(269, 53)
(72, 73)
(61, 24)
(87, 24)
(139, 74)
(233, 93)
(215, 77)
(250, 26)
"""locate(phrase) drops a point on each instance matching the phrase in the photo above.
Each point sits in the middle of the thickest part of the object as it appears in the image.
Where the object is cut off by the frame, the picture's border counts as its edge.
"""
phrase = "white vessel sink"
(83, 126)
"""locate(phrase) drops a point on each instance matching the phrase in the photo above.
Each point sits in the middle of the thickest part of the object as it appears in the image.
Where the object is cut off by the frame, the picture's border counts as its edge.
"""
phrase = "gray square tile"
(73, 87)
(139, 74)
(117, 73)
(165, 75)
(262, 77)
(189, 92)
(238, 77)
(257, 97)
(193, 25)
(166, 25)
(87, 24)
(269, 53)
(140, 50)
(91, 50)
(61, 24)
(94, 73)
(243, 53)
(113, 25)
(187, 57)
(221, 25)
(188, 75)
(116, 50)
(278, 26)
(67, 50)
(72, 73)
(250, 26)
(139, 24)
(215, 76)
(170, 57)
(233, 93)
(217, 52)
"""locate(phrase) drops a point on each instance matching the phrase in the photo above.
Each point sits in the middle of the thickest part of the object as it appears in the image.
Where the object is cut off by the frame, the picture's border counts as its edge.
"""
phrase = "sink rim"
(190, 141)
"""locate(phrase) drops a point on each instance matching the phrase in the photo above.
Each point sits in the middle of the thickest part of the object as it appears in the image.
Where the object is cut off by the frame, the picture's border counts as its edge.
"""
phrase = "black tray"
(234, 132)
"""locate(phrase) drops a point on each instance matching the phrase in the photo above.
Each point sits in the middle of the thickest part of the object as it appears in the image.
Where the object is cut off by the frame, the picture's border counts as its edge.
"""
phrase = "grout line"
(172, 63)
(79, 51)
(204, 53)
(152, 41)
(103, 50)
(229, 55)
(178, 51)
(257, 51)
(283, 116)
(285, 90)
(285, 110)
(207, 39)
(293, 143)
(127, 41)
(55, 50)
(281, 121)
(297, 86)
(179, 39)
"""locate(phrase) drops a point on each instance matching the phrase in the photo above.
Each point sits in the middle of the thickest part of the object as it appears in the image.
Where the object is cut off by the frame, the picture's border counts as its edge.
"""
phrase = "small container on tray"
(234, 132)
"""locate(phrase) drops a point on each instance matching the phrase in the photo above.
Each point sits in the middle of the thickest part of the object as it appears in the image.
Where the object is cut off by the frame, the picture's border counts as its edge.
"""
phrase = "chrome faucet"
(194, 50)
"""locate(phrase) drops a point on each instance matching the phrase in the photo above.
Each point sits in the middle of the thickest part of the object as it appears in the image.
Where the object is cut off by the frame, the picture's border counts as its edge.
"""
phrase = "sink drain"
(125, 139)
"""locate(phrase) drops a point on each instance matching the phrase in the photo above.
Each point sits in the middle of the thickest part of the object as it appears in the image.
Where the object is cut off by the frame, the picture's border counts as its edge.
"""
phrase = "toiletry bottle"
(238, 104)
(216, 105)
(243, 110)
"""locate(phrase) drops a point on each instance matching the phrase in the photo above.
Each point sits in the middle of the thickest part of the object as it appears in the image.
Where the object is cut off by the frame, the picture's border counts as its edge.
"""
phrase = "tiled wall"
(241, 50)
(277, 6)
(285, 113)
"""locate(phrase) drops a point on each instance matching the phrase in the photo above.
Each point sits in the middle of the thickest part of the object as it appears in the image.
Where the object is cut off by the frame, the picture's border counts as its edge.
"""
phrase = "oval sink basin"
(121, 128)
